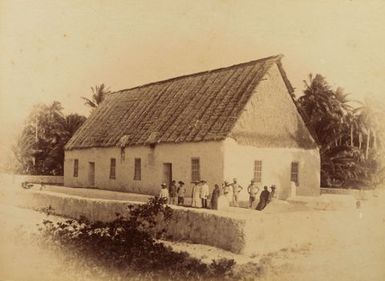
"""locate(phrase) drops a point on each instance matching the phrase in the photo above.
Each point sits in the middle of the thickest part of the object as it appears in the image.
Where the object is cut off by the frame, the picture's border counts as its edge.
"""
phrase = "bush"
(222, 267)
(129, 244)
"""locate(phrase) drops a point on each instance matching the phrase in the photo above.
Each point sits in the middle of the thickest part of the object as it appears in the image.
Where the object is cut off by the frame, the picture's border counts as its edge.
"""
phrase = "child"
(181, 192)
(164, 192)
(173, 192)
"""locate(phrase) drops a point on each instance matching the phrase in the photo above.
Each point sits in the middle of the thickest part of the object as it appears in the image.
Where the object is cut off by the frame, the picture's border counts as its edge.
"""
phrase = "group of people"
(232, 191)
(176, 192)
(265, 197)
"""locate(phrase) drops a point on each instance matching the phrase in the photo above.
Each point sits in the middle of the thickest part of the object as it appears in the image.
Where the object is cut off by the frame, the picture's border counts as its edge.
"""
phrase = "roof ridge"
(276, 58)
(198, 107)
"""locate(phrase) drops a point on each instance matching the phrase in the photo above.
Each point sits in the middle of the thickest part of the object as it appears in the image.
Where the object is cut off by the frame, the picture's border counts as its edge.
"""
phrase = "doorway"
(91, 174)
(167, 173)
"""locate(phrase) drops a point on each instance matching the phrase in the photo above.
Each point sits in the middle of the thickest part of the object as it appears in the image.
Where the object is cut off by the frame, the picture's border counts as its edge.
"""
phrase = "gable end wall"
(271, 130)
(270, 118)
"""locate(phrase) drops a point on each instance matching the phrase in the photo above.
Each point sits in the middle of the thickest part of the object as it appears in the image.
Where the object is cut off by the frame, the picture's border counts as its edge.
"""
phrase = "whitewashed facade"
(267, 141)
(218, 161)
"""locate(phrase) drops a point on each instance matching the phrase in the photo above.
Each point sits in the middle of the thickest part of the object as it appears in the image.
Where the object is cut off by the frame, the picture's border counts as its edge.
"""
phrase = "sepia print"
(192, 140)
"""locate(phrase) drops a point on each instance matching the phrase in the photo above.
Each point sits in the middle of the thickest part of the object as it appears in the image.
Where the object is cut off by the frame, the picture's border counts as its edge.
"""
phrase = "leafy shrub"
(129, 244)
(222, 266)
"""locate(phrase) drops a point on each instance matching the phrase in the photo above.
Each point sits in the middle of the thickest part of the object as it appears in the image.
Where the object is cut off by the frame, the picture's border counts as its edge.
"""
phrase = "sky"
(56, 50)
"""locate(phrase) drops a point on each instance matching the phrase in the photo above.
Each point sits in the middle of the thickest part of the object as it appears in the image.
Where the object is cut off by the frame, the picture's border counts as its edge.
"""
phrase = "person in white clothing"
(205, 192)
(228, 191)
(237, 188)
(164, 192)
(253, 190)
(196, 195)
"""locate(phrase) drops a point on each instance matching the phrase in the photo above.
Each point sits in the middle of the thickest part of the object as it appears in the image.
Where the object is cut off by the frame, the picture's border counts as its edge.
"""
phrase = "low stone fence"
(55, 180)
(358, 194)
(193, 225)
(250, 233)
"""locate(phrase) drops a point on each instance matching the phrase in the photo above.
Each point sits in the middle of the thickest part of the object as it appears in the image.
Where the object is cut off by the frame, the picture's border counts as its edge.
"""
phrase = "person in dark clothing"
(173, 192)
(181, 191)
(214, 197)
(263, 199)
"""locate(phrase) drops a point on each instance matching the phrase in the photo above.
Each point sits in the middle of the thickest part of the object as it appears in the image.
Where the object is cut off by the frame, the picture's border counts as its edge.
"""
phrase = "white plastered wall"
(270, 129)
(152, 159)
(276, 167)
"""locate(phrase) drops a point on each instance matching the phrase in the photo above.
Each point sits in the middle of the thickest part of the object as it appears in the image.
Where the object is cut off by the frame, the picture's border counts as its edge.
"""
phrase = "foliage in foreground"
(128, 244)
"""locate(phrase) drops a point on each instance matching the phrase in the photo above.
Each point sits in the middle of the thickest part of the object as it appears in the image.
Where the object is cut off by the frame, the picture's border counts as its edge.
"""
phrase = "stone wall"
(18, 179)
(208, 227)
(250, 233)
(357, 193)
(193, 225)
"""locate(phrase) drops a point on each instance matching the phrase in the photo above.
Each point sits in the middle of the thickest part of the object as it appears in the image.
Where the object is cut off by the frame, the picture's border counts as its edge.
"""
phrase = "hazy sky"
(56, 50)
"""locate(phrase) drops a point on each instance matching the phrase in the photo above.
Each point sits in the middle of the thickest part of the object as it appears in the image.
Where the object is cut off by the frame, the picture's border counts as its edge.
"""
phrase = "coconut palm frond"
(99, 93)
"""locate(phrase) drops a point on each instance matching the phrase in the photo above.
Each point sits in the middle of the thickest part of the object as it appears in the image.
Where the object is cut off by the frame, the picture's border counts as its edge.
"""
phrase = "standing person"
(214, 197)
(205, 192)
(196, 193)
(253, 190)
(181, 191)
(272, 193)
(164, 192)
(228, 191)
(173, 192)
(237, 188)
(223, 188)
(263, 198)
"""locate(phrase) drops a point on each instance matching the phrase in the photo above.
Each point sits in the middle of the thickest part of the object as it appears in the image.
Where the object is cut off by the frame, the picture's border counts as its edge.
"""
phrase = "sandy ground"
(346, 251)
(350, 252)
(353, 252)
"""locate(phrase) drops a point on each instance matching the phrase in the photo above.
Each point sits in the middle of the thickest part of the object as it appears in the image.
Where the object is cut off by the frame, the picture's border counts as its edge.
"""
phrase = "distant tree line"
(39, 149)
(40, 146)
(351, 138)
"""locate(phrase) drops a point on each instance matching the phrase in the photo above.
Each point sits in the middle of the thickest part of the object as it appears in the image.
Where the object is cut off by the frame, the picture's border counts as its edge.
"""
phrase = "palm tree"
(325, 110)
(340, 163)
(99, 93)
(329, 115)
(368, 116)
(72, 122)
(40, 147)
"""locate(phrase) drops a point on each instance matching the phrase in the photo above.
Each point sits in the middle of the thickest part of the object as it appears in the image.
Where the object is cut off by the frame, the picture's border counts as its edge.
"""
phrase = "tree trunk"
(360, 140)
(374, 139)
(351, 136)
(367, 145)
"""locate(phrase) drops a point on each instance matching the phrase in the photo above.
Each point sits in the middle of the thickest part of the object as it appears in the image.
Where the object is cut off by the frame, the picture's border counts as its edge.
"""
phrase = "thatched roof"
(191, 108)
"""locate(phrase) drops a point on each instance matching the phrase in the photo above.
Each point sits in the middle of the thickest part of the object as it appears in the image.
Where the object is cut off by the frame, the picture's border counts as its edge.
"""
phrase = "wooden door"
(167, 173)
(91, 173)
